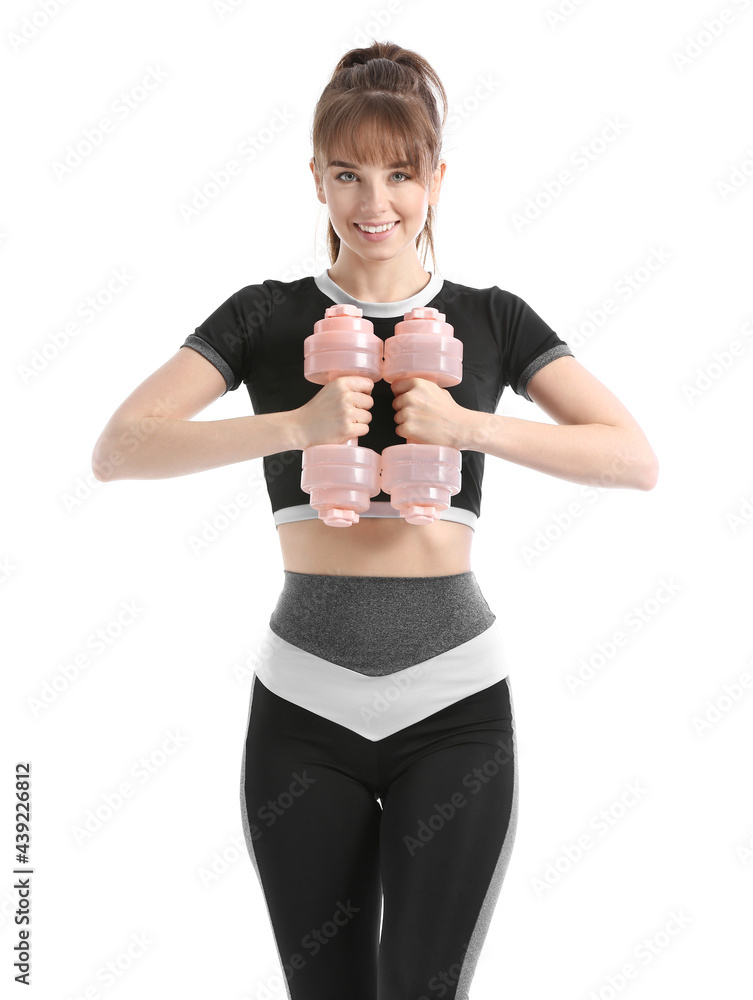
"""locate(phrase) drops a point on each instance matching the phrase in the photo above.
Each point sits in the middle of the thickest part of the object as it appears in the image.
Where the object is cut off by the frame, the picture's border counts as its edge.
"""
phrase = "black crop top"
(256, 337)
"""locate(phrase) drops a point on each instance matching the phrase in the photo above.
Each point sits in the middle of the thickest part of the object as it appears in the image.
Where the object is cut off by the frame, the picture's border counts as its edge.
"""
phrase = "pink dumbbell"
(341, 478)
(421, 478)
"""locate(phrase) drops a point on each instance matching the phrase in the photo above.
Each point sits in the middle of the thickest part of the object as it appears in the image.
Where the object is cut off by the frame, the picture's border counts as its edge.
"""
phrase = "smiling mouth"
(367, 229)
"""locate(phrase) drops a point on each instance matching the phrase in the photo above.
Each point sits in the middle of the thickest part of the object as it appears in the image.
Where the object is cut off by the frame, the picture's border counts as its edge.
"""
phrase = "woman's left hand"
(427, 414)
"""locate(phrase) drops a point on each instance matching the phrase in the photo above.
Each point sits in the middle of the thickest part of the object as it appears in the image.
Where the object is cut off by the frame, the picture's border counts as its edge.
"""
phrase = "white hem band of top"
(379, 508)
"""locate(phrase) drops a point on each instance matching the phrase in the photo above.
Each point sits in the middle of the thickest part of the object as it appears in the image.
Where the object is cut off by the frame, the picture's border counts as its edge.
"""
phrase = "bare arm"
(599, 444)
(151, 434)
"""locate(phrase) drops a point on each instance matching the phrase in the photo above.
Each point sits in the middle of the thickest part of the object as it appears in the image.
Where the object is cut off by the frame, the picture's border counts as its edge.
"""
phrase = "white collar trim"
(380, 310)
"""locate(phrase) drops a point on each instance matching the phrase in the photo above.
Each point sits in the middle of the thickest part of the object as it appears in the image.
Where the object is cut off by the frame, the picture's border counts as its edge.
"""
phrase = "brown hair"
(379, 106)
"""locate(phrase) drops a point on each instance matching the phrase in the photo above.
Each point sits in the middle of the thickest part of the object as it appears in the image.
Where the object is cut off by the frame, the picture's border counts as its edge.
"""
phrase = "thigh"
(448, 826)
(312, 830)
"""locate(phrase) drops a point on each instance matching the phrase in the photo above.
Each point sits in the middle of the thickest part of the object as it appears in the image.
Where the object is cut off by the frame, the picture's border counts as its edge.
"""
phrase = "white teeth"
(375, 229)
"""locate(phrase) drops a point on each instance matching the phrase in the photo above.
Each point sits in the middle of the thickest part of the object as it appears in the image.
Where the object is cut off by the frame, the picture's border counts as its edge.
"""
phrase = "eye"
(397, 173)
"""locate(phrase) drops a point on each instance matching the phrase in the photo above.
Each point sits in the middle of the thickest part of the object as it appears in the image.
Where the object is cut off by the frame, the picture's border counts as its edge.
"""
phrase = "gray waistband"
(379, 624)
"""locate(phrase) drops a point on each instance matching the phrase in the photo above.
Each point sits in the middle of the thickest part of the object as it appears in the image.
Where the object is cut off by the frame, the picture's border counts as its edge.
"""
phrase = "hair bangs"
(376, 130)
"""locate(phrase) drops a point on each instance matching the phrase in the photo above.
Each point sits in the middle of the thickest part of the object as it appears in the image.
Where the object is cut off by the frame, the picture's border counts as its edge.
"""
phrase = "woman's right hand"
(338, 412)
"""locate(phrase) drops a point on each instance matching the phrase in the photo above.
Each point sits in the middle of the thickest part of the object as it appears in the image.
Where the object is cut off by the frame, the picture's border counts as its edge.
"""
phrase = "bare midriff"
(376, 546)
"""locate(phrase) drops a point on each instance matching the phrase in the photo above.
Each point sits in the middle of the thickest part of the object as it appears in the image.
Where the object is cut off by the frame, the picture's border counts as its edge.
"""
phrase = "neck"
(378, 281)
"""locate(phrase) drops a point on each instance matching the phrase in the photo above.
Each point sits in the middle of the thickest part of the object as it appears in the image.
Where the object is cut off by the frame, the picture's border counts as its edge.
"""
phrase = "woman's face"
(375, 195)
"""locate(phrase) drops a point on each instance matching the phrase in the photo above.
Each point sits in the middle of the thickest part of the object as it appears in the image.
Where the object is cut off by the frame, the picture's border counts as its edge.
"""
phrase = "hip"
(378, 654)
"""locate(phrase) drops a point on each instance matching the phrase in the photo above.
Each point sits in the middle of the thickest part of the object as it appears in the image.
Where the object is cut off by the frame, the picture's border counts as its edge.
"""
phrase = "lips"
(376, 237)
(376, 225)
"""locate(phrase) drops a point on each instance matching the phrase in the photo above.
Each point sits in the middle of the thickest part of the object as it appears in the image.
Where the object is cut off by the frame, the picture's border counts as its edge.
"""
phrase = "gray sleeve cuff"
(559, 351)
(208, 352)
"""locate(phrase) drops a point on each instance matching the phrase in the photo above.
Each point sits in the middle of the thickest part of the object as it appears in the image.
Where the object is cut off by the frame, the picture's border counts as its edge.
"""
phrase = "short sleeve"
(527, 343)
(228, 336)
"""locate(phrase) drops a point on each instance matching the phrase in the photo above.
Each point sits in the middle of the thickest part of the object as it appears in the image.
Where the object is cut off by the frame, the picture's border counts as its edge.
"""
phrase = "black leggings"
(388, 796)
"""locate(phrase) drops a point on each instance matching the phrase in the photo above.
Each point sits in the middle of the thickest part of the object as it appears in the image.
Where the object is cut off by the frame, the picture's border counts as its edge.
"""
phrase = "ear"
(436, 183)
(318, 182)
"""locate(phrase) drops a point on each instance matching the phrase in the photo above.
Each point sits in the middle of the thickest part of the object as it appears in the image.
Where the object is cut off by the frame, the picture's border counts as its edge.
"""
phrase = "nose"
(375, 200)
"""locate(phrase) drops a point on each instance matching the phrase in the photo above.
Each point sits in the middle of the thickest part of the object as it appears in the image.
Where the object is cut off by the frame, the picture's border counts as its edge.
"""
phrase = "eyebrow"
(342, 163)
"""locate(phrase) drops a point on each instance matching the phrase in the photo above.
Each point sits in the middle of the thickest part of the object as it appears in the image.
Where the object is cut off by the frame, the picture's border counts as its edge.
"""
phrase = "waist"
(379, 624)
(376, 546)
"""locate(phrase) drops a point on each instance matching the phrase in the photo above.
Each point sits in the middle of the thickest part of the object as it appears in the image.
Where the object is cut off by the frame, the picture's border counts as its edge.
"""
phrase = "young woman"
(379, 785)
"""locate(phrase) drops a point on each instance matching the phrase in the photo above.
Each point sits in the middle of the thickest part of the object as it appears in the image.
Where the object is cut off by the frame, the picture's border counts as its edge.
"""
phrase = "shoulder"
(260, 300)
(455, 288)
(490, 295)
(298, 292)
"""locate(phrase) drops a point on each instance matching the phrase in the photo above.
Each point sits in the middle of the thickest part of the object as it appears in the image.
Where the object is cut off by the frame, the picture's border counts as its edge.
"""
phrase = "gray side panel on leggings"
(248, 837)
(490, 900)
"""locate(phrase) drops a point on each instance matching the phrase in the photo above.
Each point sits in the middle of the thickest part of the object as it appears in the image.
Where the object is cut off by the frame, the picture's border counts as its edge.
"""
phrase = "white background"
(74, 550)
